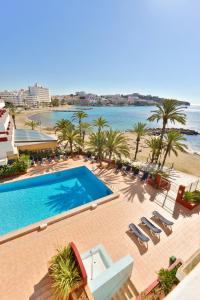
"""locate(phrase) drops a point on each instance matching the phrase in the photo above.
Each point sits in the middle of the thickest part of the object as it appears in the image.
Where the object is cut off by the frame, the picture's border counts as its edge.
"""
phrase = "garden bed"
(12, 176)
(155, 291)
(18, 167)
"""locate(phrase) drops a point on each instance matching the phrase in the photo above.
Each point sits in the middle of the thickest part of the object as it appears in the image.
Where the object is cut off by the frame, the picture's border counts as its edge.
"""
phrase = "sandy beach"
(185, 162)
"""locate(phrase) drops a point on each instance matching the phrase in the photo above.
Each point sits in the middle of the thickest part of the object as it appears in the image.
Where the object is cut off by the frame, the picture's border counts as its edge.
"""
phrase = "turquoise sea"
(123, 118)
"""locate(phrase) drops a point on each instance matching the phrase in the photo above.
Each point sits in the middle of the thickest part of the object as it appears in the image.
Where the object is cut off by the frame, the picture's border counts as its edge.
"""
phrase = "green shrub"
(167, 279)
(192, 196)
(18, 166)
(64, 273)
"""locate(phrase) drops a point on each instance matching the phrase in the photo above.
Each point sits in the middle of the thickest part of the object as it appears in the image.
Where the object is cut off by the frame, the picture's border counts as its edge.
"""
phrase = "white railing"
(193, 186)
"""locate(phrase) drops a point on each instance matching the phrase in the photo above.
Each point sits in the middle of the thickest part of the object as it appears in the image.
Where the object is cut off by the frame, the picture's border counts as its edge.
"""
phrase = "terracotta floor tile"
(24, 261)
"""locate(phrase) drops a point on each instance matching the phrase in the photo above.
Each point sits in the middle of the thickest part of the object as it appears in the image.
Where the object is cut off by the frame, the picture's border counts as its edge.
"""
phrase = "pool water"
(28, 201)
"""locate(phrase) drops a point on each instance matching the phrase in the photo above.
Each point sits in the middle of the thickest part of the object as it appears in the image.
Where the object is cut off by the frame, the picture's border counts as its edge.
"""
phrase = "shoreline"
(188, 162)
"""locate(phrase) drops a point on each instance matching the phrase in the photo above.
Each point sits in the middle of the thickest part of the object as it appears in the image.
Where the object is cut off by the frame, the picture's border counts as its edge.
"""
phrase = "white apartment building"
(33, 96)
(7, 147)
(11, 97)
(40, 92)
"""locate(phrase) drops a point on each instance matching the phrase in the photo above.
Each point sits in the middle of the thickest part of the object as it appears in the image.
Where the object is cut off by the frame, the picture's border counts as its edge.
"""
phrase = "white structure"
(34, 96)
(40, 92)
(7, 147)
(11, 97)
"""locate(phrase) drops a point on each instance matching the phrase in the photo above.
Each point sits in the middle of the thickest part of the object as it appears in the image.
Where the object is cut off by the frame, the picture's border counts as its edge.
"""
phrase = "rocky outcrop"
(157, 131)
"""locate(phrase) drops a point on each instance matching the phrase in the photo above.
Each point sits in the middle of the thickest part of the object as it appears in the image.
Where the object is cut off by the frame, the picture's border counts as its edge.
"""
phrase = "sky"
(102, 46)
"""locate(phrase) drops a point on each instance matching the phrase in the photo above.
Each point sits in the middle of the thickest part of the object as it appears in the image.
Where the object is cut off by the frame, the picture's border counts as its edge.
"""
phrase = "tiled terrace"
(24, 261)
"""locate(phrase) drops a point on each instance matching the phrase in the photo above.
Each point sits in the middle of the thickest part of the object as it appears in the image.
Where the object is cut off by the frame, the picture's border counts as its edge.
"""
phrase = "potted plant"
(66, 274)
(192, 197)
(189, 199)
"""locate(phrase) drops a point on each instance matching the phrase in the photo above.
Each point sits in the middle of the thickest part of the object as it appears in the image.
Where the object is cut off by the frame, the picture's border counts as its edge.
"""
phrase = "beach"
(186, 162)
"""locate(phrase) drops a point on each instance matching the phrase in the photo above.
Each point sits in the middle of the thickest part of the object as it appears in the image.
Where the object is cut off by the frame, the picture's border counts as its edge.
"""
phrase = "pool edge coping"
(43, 224)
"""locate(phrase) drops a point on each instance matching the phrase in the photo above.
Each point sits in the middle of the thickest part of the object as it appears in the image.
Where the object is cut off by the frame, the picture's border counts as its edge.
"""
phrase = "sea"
(123, 118)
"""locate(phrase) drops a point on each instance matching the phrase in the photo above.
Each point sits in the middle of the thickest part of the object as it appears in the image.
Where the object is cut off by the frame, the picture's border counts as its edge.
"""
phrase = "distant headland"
(89, 99)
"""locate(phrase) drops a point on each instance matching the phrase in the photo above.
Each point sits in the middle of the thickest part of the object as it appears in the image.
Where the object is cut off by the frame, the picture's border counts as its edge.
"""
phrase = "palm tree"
(33, 124)
(79, 116)
(116, 144)
(153, 144)
(86, 127)
(96, 144)
(100, 123)
(69, 135)
(173, 143)
(12, 112)
(61, 124)
(140, 130)
(168, 110)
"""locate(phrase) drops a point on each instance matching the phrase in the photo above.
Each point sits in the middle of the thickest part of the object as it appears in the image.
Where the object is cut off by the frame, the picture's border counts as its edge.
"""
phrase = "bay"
(124, 117)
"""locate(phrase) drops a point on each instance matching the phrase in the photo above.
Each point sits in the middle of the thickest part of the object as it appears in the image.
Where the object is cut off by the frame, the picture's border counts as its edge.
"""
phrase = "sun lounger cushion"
(157, 215)
(134, 229)
(151, 226)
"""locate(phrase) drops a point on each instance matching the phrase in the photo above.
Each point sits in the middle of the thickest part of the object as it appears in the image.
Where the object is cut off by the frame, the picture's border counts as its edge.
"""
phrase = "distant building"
(42, 94)
(11, 97)
(33, 96)
(81, 94)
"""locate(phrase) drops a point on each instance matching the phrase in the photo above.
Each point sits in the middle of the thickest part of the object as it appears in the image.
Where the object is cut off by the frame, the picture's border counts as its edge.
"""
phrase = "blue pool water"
(28, 201)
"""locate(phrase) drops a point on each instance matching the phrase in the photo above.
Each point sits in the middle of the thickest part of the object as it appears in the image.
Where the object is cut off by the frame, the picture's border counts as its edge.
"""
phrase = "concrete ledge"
(65, 215)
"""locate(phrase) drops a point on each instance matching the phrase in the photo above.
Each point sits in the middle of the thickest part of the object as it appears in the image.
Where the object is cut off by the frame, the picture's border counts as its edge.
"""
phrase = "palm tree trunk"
(161, 142)
(153, 156)
(136, 149)
(13, 117)
(164, 158)
(110, 155)
(83, 138)
(80, 131)
(71, 148)
(100, 159)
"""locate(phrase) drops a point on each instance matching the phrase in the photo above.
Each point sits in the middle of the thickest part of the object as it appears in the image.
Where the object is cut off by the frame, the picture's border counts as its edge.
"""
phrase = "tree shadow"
(68, 198)
(134, 188)
(141, 247)
(42, 290)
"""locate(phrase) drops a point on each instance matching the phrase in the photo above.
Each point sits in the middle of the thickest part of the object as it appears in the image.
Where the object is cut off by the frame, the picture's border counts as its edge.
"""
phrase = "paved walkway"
(24, 261)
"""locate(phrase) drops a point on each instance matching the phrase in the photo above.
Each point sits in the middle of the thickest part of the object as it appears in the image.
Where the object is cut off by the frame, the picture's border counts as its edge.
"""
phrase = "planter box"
(155, 283)
(79, 263)
(188, 205)
(81, 267)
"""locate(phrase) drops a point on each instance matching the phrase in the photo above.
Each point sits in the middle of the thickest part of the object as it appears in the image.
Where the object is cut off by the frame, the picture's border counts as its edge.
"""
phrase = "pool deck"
(24, 261)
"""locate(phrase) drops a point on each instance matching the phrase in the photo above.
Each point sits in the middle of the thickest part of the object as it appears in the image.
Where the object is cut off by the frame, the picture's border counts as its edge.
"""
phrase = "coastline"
(188, 162)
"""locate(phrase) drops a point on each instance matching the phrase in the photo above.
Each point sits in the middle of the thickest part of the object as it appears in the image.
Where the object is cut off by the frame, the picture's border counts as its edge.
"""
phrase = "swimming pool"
(28, 201)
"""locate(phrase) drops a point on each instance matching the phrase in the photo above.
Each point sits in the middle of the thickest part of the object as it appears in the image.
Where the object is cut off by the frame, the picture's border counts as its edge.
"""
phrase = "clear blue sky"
(103, 46)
